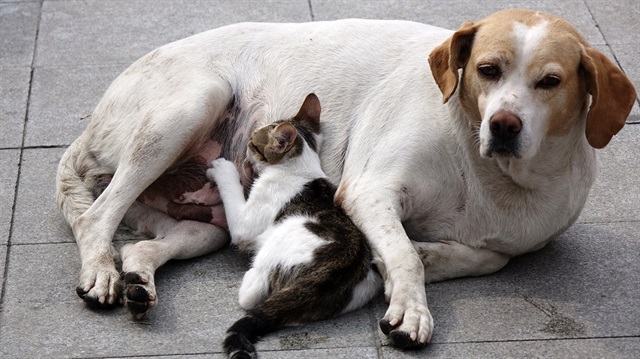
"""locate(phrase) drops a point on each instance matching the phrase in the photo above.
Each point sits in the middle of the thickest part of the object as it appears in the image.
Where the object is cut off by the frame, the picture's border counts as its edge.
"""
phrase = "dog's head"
(527, 76)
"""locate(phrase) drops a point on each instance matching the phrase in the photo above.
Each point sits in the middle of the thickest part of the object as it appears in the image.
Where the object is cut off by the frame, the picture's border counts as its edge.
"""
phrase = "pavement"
(577, 298)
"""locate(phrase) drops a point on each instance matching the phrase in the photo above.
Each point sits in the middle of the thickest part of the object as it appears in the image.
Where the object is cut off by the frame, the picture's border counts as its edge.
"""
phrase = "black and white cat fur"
(310, 261)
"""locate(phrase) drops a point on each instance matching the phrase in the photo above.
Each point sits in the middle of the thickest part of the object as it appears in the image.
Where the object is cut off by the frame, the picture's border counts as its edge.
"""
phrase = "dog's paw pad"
(138, 309)
(402, 340)
(139, 294)
(134, 278)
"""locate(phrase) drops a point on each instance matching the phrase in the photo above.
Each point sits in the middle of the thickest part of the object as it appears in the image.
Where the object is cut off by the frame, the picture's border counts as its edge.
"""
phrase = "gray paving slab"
(3, 259)
(578, 297)
(634, 116)
(451, 14)
(121, 31)
(63, 99)
(18, 24)
(14, 90)
(337, 353)
(618, 20)
(8, 175)
(582, 285)
(208, 356)
(610, 348)
(615, 195)
(37, 219)
(43, 317)
(352, 329)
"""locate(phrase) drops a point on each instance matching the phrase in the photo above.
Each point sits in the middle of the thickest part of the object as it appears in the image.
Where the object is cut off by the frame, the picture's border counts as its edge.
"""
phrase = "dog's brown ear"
(451, 55)
(612, 94)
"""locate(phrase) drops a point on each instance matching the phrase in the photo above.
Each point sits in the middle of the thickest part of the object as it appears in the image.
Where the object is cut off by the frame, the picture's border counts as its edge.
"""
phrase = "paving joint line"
(213, 353)
(20, 159)
(610, 222)
(534, 340)
(313, 16)
(374, 327)
(34, 147)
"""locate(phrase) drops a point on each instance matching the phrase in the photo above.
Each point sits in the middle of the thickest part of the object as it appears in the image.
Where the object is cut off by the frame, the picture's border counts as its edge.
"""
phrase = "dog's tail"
(78, 182)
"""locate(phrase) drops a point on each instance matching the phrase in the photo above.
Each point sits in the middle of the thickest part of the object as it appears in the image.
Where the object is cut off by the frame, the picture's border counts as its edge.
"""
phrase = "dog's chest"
(507, 220)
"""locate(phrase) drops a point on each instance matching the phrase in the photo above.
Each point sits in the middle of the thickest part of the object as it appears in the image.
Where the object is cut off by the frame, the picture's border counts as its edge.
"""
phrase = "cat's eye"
(259, 155)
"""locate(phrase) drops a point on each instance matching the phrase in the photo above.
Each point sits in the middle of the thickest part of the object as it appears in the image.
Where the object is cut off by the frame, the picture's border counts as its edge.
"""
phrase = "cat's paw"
(222, 169)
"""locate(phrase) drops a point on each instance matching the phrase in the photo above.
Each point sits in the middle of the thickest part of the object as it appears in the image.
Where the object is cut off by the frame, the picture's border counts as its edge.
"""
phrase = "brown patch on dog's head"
(561, 71)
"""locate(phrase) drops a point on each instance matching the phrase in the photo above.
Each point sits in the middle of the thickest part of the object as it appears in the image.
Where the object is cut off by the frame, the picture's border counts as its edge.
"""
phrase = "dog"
(453, 151)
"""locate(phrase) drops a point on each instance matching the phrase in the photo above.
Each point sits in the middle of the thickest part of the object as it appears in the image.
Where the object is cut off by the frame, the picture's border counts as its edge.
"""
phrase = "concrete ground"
(577, 298)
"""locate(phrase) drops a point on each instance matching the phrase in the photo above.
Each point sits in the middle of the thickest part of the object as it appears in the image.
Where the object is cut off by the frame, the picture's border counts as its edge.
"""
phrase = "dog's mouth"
(503, 149)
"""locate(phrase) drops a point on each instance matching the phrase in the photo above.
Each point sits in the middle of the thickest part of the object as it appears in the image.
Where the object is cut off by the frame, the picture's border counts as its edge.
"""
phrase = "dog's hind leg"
(173, 239)
(165, 131)
(448, 259)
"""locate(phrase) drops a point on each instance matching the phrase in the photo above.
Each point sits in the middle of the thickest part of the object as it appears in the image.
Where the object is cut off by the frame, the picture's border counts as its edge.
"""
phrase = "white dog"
(441, 190)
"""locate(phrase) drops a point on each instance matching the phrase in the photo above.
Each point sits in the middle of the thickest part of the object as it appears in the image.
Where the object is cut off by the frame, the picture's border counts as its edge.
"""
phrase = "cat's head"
(284, 140)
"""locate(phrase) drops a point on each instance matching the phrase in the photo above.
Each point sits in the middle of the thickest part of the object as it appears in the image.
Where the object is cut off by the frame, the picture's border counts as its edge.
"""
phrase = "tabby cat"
(310, 261)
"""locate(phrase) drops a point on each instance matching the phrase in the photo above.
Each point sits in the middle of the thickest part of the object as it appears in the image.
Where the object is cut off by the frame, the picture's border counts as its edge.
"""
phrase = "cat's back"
(315, 197)
(324, 218)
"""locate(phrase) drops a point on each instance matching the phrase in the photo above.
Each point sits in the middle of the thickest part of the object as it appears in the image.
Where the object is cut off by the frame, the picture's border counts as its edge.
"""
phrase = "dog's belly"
(182, 76)
(185, 193)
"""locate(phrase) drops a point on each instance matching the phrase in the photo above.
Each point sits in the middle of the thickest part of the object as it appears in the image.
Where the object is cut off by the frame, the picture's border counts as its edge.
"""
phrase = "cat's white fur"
(282, 246)
(277, 246)
(247, 218)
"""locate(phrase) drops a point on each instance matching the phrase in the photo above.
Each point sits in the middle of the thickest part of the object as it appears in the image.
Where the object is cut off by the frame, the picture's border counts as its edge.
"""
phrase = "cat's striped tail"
(282, 308)
(243, 334)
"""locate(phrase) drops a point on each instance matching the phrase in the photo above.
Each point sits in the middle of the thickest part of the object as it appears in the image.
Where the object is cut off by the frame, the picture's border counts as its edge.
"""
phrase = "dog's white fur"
(407, 165)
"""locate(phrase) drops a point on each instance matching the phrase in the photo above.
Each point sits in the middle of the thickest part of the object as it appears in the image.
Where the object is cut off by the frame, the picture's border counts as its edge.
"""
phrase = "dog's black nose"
(505, 126)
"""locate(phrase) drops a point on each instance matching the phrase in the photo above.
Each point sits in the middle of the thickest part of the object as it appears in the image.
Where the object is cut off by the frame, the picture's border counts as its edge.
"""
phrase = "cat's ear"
(309, 113)
(285, 136)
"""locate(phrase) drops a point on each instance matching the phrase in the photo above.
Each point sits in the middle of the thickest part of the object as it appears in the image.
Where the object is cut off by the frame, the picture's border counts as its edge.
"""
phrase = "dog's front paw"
(98, 285)
(139, 293)
(408, 322)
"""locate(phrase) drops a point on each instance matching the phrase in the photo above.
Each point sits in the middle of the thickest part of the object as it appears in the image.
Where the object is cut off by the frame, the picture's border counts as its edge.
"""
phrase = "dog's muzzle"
(505, 130)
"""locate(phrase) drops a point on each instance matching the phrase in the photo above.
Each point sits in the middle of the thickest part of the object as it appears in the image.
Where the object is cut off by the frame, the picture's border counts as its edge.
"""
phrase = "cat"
(310, 260)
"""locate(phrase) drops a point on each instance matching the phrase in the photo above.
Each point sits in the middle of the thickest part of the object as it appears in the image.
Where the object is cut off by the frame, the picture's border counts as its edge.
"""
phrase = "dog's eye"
(491, 72)
(548, 82)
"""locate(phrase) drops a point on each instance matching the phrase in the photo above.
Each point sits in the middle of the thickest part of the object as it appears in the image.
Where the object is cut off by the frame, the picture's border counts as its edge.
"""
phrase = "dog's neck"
(522, 173)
